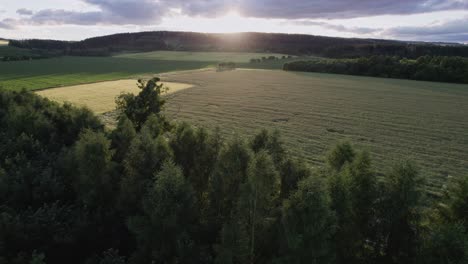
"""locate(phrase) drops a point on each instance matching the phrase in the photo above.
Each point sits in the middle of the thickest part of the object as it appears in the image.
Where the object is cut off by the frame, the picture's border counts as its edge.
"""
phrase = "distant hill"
(296, 44)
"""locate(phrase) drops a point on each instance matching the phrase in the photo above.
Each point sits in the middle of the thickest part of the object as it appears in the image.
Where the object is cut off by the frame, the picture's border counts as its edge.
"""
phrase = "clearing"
(100, 97)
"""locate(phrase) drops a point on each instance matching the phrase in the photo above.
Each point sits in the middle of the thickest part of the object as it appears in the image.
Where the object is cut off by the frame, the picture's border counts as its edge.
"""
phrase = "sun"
(230, 23)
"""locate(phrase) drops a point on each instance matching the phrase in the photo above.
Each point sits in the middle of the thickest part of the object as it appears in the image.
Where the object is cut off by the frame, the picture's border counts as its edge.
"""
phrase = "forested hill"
(247, 42)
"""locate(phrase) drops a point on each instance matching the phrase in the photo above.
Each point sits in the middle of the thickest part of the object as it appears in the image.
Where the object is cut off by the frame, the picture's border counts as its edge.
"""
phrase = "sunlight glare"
(229, 23)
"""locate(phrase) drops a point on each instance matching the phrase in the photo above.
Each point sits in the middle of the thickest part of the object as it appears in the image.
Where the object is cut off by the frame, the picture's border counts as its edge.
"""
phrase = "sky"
(416, 20)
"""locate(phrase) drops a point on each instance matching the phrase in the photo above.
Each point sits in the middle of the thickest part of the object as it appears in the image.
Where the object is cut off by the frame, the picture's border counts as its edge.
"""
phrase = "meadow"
(68, 70)
(237, 57)
(65, 71)
(392, 119)
(12, 51)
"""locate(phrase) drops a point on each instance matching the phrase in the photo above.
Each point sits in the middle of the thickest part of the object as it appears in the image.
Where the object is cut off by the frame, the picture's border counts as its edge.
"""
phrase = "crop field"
(12, 51)
(3, 42)
(100, 97)
(238, 57)
(422, 121)
(66, 71)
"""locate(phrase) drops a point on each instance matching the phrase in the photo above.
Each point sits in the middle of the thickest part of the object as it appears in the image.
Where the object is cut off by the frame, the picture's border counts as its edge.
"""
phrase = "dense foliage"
(245, 42)
(426, 68)
(148, 192)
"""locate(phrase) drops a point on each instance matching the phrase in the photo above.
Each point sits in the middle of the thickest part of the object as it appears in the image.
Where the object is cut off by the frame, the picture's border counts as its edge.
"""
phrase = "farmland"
(66, 71)
(237, 57)
(12, 51)
(423, 121)
(393, 119)
(99, 97)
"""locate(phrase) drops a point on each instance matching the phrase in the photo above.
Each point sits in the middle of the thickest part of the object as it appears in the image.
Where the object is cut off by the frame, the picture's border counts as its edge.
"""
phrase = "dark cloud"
(312, 9)
(334, 9)
(143, 12)
(24, 12)
(7, 24)
(453, 30)
(339, 28)
(112, 12)
(129, 10)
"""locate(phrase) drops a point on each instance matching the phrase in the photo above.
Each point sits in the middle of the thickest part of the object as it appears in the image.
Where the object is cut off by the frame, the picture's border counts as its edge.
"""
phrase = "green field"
(12, 51)
(393, 119)
(64, 71)
(238, 57)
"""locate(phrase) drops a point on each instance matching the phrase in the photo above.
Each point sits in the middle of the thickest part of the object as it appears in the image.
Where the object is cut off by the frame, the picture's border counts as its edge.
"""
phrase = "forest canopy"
(156, 191)
(294, 44)
(426, 68)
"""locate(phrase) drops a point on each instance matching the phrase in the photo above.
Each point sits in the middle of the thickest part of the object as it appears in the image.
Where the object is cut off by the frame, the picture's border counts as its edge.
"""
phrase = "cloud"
(339, 28)
(6, 24)
(312, 9)
(144, 12)
(24, 12)
(334, 9)
(453, 30)
(111, 12)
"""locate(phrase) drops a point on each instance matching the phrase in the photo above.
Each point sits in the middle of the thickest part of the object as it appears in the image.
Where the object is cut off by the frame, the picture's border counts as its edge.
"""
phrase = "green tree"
(447, 243)
(122, 137)
(145, 157)
(457, 201)
(272, 143)
(339, 188)
(340, 155)
(94, 180)
(258, 199)
(196, 151)
(139, 107)
(309, 224)
(230, 173)
(164, 230)
(400, 213)
(292, 171)
(37, 258)
(363, 196)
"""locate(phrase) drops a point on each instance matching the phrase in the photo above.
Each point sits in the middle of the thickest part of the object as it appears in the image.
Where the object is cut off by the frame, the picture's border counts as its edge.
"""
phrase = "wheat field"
(392, 119)
(100, 97)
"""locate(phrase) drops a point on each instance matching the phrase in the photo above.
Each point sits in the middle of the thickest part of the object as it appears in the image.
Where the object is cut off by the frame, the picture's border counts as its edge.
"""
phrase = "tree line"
(295, 44)
(425, 68)
(155, 191)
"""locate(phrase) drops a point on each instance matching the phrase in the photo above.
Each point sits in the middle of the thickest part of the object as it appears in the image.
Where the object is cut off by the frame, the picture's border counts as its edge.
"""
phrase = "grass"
(393, 119)
(12, 51)
(237, 57)
(66, 71)
(99, 97)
